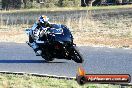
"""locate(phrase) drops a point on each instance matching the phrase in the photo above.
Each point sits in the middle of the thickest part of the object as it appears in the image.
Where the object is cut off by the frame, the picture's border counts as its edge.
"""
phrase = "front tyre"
(76, 56)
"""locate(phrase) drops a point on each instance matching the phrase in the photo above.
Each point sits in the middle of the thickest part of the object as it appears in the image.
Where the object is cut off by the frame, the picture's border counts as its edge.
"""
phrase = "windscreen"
(56, 29)
(61, 32)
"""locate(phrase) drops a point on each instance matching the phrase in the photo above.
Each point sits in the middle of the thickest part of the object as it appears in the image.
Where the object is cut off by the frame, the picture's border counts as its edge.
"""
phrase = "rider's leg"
(36, 49)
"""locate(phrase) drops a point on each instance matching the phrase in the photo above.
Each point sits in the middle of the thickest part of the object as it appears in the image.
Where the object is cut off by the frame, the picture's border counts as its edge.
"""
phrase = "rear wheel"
(76, 56)
(47, 57)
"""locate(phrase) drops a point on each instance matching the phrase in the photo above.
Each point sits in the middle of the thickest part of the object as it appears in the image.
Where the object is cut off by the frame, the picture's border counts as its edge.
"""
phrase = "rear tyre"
(47, 58)
(76, 56)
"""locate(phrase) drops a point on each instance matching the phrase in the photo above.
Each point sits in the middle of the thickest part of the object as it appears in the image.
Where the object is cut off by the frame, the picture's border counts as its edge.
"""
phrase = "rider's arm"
(48, 25)
(43, 31)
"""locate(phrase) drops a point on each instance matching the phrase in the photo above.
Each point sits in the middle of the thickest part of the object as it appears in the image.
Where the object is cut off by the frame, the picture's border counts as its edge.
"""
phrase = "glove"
(44, 31)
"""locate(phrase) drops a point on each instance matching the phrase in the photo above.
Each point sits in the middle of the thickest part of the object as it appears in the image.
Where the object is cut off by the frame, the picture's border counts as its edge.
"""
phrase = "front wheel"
(76, 56)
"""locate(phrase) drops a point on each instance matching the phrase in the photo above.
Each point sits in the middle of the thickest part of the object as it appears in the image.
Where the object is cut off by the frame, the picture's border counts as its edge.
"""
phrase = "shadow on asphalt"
(27, 61)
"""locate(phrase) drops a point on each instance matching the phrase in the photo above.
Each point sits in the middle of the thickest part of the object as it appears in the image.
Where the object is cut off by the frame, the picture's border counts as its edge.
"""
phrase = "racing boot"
(35, 47)
(38, 52)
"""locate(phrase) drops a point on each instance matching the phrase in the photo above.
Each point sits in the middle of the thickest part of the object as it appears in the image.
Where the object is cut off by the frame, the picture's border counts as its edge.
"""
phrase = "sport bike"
(58, 43)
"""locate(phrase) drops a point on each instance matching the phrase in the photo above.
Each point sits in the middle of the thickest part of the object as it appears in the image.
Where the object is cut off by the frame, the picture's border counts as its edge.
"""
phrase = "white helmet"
(43, 19)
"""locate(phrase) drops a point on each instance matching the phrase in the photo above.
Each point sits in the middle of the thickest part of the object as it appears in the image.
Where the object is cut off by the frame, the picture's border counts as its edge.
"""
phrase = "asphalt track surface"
(98, 60)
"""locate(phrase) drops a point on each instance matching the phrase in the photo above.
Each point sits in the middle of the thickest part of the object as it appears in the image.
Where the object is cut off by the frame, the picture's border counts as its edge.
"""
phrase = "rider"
(37, 29)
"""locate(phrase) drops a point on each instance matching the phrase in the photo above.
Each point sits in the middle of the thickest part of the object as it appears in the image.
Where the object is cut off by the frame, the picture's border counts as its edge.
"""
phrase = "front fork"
(67, 50)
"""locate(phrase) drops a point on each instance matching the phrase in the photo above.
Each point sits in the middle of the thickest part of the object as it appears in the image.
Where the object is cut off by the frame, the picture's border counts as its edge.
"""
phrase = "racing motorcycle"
(58, 44)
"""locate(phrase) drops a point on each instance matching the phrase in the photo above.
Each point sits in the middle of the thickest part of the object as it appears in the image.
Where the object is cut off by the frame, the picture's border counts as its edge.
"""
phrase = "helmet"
(43, 19)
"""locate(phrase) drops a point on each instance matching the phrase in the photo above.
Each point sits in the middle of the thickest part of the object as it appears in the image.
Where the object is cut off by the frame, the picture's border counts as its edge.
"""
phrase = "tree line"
(104, 2)
(17, 4)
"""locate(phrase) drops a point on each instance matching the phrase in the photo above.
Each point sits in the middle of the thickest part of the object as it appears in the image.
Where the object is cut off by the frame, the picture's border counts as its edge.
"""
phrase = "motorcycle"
(58, 44)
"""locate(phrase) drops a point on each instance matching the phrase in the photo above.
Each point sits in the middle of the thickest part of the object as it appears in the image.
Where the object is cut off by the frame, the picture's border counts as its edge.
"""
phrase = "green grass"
(67, 8)
(28, 81)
